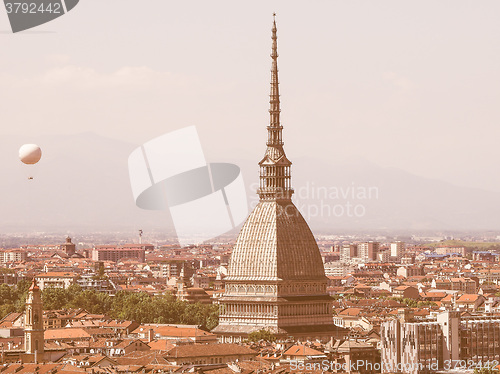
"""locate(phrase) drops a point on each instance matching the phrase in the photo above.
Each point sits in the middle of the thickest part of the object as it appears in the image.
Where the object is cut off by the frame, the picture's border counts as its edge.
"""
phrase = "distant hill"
(468, 245)
(82, 183)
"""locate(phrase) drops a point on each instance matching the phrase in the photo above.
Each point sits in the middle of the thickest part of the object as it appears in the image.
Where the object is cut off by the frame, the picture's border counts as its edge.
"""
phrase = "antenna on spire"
(274, 101)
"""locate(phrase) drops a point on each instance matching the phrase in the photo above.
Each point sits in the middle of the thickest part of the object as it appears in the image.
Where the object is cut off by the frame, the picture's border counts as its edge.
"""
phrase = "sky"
(412, 85)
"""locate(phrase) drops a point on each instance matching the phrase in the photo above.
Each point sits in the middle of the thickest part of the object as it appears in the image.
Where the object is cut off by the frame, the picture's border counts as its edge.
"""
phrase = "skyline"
(344, 263)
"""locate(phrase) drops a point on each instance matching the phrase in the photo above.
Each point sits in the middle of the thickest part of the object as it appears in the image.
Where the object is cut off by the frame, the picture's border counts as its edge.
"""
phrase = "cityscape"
(392, 288)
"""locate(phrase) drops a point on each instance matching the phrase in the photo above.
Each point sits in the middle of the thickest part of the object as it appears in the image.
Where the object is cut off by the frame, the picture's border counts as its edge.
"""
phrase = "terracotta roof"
(302, 350)
(468, 298)
(433, 294)
(172, 331)
(448, 297)
(125, 343)
(66, 333)
(30, 368)
(117, 324)
(203, 350)
(350, 312)
(11, 317)
(421, 312)
(161, 345)
(402, 288)
(57, 274)
(142, 358)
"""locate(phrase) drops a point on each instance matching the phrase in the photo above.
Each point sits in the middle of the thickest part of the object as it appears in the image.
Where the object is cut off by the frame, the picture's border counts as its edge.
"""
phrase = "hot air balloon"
(30, 154)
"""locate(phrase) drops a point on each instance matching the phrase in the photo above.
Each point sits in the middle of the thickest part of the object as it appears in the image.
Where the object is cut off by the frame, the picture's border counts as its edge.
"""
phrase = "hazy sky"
(408, 84)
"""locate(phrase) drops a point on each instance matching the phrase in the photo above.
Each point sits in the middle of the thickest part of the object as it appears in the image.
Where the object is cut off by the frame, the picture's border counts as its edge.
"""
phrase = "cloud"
(130, 102)
(58, 59)
(74, 77)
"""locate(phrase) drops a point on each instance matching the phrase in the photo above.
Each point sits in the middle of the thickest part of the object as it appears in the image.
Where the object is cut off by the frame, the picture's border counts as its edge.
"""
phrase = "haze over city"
(392, 95)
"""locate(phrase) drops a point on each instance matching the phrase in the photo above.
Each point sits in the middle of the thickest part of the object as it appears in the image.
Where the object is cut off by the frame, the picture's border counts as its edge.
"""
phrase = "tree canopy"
(136, 306)
(261, 335)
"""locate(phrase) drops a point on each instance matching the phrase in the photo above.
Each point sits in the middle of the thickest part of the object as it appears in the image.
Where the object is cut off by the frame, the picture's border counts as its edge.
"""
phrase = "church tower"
(33, 322)
(69, 248)
(276, 279)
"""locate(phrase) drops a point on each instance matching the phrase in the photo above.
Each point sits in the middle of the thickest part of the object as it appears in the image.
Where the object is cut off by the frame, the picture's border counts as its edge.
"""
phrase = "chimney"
(151, 335)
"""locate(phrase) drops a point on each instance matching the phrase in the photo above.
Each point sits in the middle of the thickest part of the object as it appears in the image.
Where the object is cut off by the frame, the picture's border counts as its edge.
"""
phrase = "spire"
(275, 167)
(274, 101)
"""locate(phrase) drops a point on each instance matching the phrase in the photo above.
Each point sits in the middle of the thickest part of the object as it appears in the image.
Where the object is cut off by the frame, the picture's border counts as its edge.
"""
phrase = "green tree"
(410, 302)
(56, 298)
(22, 286)
(261, 335)
(422, 304)
(140, 307)
(92, 301)
(6, 293)
(6, 309)
(74, 289)
(101, 270)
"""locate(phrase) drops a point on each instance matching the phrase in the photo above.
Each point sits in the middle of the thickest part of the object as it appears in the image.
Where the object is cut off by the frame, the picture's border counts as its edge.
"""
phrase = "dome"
(275, 243)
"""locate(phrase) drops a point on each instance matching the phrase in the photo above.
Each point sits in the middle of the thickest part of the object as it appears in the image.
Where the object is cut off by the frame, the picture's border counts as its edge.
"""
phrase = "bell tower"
(69, 248)
(33, 321)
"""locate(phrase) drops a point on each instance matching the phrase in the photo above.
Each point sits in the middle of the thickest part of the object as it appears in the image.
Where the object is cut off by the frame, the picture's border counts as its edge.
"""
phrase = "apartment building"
(397, 250)
(338, 269)
(446, 250)
(56, 280)
(13, 255)
(348, 251)
(416, 347)
(114, 253)
(466, 285)
(368, 250)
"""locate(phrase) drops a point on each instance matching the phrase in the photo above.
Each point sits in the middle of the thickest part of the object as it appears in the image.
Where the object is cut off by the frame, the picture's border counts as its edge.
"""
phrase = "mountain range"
(82, 183)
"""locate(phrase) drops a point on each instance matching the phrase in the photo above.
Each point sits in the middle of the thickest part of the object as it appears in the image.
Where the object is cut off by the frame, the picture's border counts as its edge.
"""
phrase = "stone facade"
(276, 279)
(33, 322)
